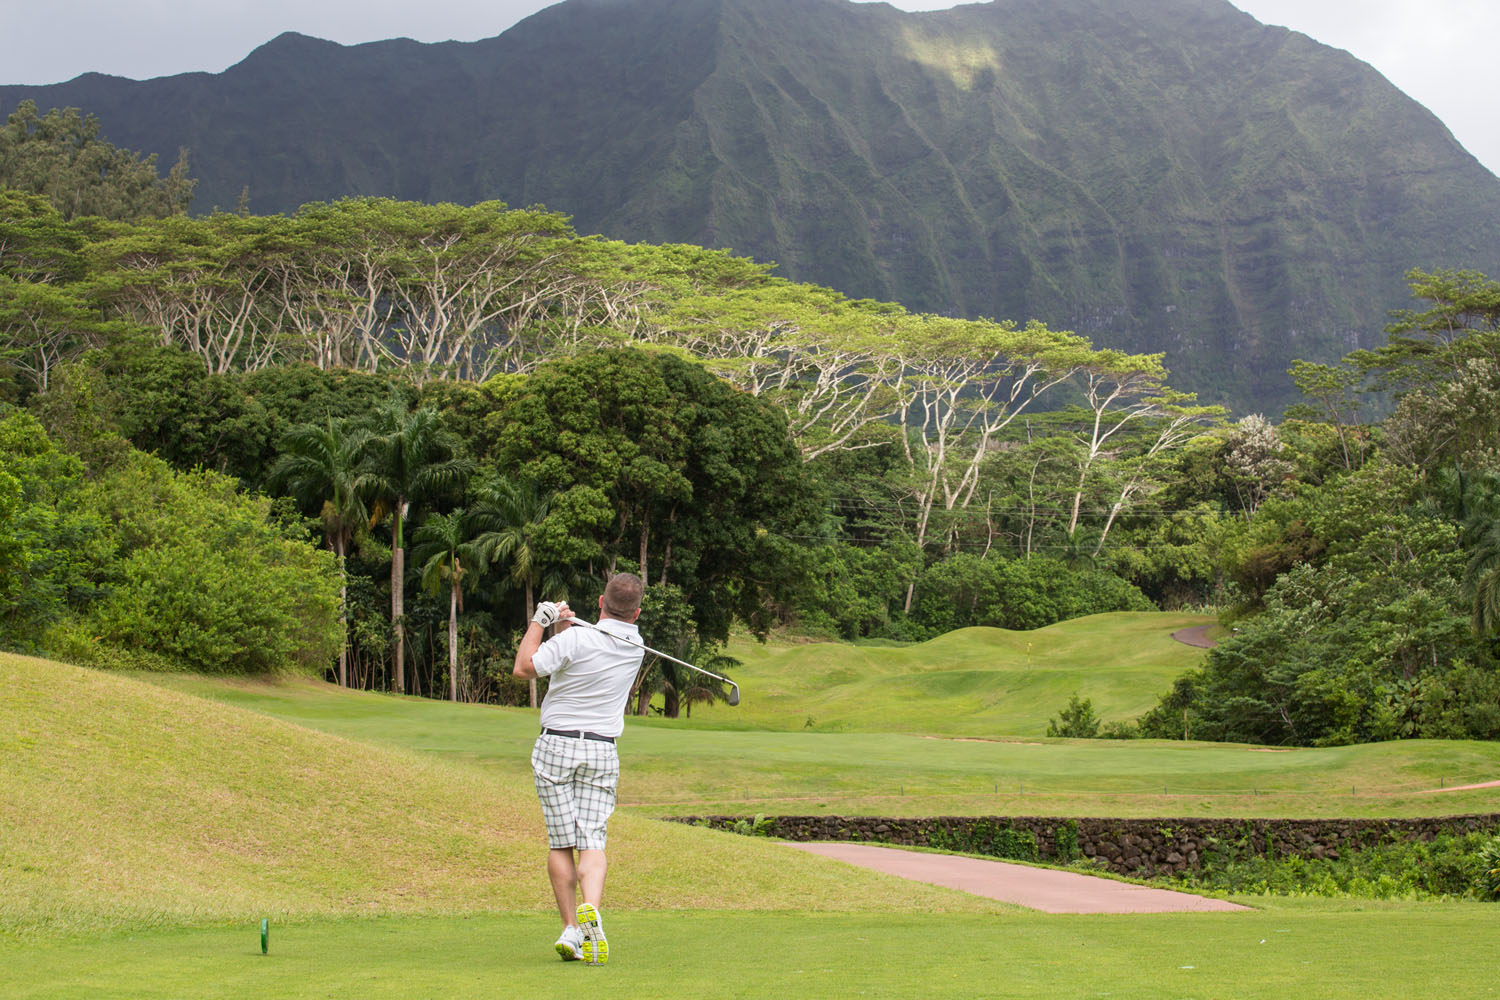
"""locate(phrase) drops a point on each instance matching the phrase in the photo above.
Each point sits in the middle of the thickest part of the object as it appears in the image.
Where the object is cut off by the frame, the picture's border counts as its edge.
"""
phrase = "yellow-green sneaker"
(595, 947)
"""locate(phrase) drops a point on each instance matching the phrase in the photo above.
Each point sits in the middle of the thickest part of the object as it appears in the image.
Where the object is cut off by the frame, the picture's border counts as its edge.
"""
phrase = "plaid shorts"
(576, 781)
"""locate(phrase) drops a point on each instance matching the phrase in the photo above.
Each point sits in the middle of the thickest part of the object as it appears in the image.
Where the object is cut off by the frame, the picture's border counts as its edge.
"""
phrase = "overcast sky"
(1440, 52)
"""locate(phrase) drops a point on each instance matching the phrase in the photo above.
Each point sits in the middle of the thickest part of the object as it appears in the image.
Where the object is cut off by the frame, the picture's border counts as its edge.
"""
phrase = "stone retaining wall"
(1143, 847)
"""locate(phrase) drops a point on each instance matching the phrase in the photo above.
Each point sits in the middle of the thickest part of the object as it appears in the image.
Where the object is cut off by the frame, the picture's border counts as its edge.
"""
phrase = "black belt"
(578, 734)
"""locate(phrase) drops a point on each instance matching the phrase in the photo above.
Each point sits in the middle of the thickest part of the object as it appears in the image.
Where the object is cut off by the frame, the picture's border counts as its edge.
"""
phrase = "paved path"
(1036, 888)
(1196, 636)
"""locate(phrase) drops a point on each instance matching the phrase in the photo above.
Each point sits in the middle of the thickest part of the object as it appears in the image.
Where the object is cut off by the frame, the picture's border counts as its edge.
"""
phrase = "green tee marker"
(265, 935)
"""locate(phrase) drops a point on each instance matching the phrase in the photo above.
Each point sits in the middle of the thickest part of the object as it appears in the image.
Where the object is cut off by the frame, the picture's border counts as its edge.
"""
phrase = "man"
(575, 761)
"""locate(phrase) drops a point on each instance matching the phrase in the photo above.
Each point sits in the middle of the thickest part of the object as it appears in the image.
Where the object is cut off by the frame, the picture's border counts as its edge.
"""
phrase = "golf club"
(734, 689)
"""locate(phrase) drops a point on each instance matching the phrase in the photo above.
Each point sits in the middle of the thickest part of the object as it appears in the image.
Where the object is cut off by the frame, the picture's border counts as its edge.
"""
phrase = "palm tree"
(411, 458)
(701, 688)
(320, 467)
(680, 687)
(519, 507)
(1482, 574)
(452, 548)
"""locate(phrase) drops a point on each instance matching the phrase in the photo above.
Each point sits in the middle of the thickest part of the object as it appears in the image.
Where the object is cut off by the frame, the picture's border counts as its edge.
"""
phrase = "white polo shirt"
(591, 677)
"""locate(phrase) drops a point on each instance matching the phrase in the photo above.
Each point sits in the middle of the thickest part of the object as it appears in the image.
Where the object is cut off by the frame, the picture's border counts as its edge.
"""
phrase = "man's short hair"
(622, 595)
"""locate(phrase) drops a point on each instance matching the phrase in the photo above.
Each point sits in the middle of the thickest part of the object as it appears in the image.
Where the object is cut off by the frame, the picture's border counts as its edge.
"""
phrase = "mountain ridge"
(1168, 176)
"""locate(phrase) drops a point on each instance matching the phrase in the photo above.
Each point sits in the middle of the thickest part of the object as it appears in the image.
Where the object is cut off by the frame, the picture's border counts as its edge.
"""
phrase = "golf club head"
(734, 694)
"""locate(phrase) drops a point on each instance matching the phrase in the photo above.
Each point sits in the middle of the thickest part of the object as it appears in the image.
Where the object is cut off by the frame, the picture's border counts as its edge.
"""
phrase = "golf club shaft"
(643, 646)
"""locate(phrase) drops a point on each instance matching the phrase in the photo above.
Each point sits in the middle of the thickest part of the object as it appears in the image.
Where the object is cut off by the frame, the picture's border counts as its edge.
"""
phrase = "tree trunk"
(643, 693)
(531, 683)
(453, 642)
(398, 595)
(343, 618)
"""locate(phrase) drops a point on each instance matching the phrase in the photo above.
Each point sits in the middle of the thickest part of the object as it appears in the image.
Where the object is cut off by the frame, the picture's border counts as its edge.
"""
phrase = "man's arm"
(532, 640)
(530, 643)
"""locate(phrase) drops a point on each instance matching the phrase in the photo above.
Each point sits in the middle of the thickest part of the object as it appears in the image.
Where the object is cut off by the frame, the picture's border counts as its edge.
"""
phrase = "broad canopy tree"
(662, 469)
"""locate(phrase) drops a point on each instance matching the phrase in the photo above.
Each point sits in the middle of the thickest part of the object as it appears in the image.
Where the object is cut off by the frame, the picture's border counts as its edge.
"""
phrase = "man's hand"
(548, 613)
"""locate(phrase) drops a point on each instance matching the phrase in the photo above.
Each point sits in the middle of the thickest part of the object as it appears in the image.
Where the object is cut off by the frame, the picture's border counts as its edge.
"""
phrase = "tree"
(1370, 640)
(518, 511)
(409, 457)
(1119, 389)
(1076, 720)
(43, 325)
(1335, 389)
(46, 313)
(322, 467)
(826, 359)
(667, 624)
(667, 471)
(61, 155)
(453, 549)
(201, 284)
(1482, 572)
(962, 383)
(51, 541)
(1255, 463)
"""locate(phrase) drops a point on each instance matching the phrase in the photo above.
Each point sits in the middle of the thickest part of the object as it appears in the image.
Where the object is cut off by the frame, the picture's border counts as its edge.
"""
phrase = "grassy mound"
(124, 803)
(971, 682)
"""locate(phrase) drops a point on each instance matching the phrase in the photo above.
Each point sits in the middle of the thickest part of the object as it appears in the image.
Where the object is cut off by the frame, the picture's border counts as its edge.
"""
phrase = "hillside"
(1167, 175)
(125, 804)
(986, 682)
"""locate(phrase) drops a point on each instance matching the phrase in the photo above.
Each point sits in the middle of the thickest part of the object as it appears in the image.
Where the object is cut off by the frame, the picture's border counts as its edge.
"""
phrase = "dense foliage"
(62, 156)
(483, 381)
(140, 564)
(472, 409)
(1450, 866)
(1367, 588)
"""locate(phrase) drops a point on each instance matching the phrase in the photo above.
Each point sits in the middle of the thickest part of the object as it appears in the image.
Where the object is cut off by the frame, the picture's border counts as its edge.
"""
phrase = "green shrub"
(206, 578)
(1448, 866)
(1065, 839)
(760, 826)
(1020, 594)
(1077, 720)
(49, 541)
(1487, 885)
(985, 836)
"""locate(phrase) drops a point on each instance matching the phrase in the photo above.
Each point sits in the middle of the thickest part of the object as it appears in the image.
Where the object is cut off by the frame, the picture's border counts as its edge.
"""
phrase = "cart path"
(1036, 888)
(1461, 788)
(1196, 636)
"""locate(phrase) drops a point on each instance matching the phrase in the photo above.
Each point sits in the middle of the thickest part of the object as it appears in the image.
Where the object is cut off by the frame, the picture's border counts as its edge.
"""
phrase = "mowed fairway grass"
(750, 760)
(147, 825)
(970, 682)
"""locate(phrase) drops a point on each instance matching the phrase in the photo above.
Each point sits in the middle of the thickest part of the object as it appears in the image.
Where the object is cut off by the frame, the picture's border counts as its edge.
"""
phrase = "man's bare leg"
(591, 869)
(564, 875)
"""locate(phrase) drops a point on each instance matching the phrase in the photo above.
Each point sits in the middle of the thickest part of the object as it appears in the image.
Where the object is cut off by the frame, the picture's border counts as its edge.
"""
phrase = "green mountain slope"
(1162, 175)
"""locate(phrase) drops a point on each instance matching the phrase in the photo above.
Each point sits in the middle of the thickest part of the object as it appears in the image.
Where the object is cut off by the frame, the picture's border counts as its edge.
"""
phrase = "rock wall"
(1143, 847)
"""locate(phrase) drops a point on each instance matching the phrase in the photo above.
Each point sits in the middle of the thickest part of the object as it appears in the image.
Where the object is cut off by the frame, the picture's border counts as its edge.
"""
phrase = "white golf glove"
(546, 614)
